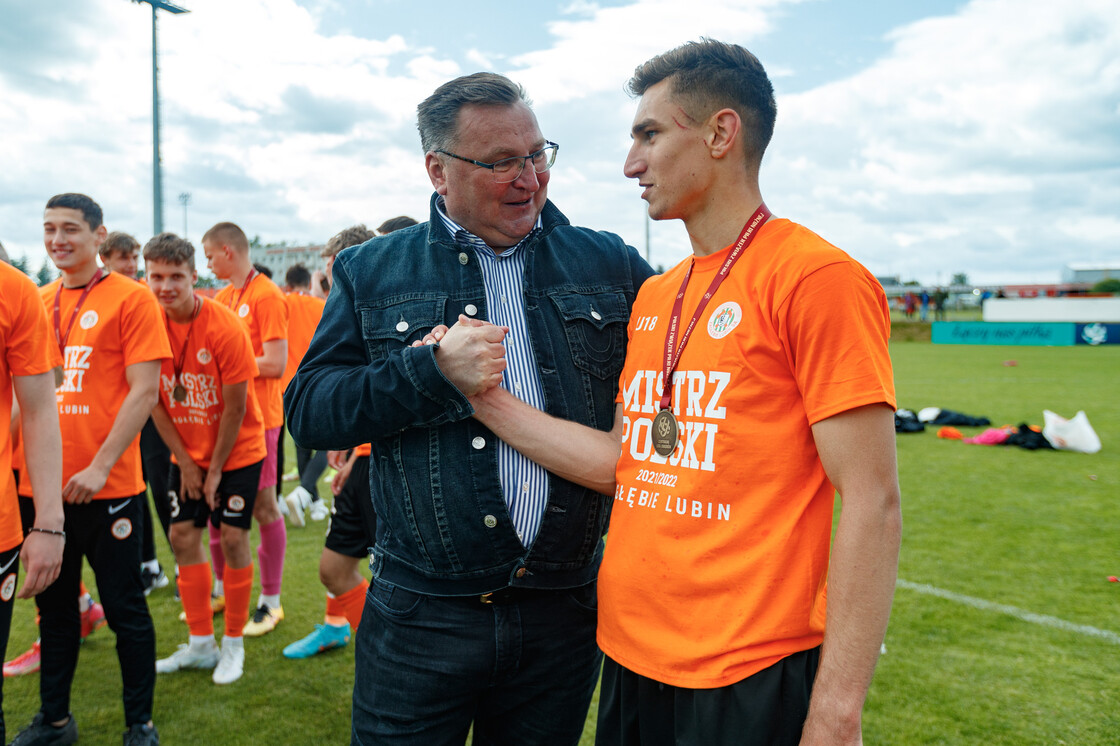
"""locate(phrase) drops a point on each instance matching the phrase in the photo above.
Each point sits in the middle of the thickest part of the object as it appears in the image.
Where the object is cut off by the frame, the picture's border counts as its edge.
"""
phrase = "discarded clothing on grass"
(938, 416)
(1025, 436)
(906, 421)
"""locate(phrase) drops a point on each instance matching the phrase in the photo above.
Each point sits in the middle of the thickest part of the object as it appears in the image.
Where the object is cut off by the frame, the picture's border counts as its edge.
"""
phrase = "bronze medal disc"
(59, 377)
(179, 393)
(665, 433)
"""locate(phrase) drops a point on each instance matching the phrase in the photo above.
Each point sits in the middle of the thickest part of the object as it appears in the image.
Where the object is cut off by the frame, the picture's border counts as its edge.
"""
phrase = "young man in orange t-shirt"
(304, 312)
(209, 417)
(260, 305)
(113, 343)
(738, 422)
(28, 358)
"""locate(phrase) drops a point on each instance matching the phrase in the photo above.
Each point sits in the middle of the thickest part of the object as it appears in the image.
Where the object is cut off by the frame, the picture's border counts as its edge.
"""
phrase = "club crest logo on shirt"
(237, 502)
(8, 587)
(724, 319)
(204, 356)
(243, 311)
(122, 528)
(89, 320)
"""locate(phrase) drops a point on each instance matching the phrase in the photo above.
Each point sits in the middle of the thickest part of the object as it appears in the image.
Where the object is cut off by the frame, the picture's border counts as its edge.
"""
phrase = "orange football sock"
(195, 584)
(352, 603)
(239, 589)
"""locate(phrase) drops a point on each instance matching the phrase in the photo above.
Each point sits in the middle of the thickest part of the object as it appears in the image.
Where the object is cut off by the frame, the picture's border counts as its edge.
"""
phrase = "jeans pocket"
(585, 599)
(393, 601)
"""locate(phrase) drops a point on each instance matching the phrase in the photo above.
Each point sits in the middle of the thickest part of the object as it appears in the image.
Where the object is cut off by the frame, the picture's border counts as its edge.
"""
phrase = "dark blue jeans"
(522, 670)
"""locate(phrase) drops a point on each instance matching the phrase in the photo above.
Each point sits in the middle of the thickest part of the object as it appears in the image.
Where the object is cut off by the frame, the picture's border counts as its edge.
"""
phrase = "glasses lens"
(544, 158)
(508, 169)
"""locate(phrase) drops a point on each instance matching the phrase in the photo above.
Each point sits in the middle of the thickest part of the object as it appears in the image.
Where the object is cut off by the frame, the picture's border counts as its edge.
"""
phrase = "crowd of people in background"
(488, 384)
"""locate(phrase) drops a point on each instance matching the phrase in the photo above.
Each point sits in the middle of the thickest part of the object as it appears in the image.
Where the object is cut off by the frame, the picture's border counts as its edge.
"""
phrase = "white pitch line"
(1021, 614)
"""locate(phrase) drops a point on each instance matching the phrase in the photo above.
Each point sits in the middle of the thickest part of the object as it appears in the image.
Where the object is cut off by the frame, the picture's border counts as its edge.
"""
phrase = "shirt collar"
(462, 235)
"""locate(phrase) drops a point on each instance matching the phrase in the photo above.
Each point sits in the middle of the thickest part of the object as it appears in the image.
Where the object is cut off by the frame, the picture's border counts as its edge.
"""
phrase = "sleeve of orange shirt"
(271, 315)
(143, 335)
(836, 328)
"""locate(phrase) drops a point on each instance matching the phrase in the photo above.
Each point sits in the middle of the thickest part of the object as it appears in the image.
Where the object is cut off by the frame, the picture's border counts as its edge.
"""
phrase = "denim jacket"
(443, 526)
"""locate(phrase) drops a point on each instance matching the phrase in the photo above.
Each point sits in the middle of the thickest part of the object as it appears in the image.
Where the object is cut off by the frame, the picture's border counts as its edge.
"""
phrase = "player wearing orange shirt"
(304, 312)
(112, 338)
(260, 305)
(209, 417)
(27, 363)
(757, 385)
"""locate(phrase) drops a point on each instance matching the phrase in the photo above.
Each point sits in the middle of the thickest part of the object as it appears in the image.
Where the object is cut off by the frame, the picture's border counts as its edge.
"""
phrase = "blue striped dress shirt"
(524, 483)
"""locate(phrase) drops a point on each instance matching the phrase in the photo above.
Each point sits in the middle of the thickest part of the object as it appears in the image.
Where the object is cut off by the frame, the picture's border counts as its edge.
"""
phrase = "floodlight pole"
(157, 174)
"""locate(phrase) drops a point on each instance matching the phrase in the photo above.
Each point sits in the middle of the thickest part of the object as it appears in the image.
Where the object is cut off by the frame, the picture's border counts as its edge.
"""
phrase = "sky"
(924, 138)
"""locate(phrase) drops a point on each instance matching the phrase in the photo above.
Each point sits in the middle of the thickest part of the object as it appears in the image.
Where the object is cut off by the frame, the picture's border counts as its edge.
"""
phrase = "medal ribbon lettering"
(673, 350)
(58, 335)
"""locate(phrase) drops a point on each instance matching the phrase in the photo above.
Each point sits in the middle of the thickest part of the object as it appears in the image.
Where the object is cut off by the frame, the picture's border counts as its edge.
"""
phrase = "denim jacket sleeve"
(341, 396)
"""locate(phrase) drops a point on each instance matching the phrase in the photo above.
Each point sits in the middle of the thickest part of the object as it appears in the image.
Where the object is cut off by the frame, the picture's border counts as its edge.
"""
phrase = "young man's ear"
(725, 130)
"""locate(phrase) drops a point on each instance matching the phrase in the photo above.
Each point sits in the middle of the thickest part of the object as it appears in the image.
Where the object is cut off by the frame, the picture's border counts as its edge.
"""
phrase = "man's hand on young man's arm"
(857, 449)
(471, 355)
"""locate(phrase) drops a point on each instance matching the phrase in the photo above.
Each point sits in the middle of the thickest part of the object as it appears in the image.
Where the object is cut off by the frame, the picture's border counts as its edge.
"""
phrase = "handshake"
(471, 354)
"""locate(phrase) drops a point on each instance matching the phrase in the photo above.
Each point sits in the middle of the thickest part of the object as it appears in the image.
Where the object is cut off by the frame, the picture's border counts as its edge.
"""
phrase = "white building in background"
(280, 258)
(1090, 274)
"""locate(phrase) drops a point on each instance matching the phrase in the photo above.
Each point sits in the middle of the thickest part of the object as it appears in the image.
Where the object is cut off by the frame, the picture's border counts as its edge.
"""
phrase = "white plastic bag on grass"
(1070, 435)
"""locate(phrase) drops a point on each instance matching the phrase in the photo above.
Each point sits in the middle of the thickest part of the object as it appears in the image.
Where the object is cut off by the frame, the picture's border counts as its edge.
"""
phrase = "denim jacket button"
(463, 258)
(479, 443)
(595, 315)
(471, 309)
(490, 521)
(402, 326)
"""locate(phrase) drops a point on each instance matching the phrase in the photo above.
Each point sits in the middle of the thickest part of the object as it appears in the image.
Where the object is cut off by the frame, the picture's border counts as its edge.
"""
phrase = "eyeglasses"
(508, 169)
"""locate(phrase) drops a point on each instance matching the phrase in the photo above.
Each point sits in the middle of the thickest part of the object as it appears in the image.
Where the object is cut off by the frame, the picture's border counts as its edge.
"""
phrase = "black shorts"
(237, 493)
(353, 523)
(766, 709)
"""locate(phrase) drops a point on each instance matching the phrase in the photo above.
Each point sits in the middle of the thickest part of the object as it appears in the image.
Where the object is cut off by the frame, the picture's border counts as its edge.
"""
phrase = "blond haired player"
(260, 306)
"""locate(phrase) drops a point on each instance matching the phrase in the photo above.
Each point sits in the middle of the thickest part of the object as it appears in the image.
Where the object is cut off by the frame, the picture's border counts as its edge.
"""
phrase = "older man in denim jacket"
(482, 607)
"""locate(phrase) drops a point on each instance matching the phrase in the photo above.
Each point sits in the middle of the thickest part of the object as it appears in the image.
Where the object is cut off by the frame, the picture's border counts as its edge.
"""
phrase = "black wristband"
(50, 531)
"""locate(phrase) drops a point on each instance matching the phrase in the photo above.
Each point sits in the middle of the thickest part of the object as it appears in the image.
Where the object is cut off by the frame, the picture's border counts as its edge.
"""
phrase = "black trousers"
(9, 575)
(107, 533)
(155, 457)
(766, 709)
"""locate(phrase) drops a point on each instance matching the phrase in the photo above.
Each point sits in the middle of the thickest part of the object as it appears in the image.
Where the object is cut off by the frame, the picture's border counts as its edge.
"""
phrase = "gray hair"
(437, 116)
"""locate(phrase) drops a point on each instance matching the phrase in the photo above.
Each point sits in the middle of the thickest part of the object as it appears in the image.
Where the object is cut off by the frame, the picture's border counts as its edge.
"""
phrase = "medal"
(58, 376)
(665, 433)
(179, 393)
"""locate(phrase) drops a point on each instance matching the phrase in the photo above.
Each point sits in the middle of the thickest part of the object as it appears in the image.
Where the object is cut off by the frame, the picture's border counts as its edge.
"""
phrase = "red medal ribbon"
(58, 335)
(186, 342)
(248, 279)
(673, 356)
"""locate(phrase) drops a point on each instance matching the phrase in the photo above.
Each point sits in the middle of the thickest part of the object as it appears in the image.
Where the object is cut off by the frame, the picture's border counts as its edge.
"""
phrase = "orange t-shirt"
(363, 450)
(716, 559)
(120, 324)
(27, 348)
(265, 314)
(218, 353)
(304, 312)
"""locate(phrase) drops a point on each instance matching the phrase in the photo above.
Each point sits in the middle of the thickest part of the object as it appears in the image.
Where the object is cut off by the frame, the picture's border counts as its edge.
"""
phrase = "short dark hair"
(395, 224)
(118, 241)
(344, 239)
(708, 75)
(229, 234)
(262, 269)
(437, 116)
(170, 248)
(91, 211)
(297, 277)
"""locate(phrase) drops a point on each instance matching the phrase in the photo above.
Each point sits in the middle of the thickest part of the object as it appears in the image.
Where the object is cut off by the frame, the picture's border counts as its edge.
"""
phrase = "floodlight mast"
(157, 174)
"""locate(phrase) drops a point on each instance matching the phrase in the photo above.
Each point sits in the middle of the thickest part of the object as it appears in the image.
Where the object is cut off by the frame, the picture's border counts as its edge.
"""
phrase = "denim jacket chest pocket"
(398, 323)
(595, 327)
